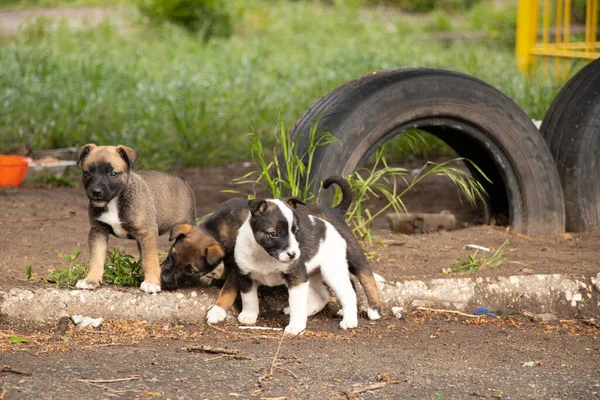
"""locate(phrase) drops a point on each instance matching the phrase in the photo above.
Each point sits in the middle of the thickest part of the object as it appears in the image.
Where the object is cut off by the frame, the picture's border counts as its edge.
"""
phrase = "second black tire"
(571, 128)
(475, 119)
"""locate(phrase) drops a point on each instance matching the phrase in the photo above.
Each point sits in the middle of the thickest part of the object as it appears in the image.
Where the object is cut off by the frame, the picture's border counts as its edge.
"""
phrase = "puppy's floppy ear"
(179, 230)
(257, 206)
(214, 254)
(128, 154)
(293, 202)
(84, 151)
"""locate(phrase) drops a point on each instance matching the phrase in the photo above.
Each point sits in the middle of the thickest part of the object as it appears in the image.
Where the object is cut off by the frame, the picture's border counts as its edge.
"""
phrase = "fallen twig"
(212, 350)
(106, 388)
(2, 394)
(384, 380)
(272, 370)
(130, 378)
(447, 311)
(259, 328)
(9, 369)
(235, 356)
(36, 219)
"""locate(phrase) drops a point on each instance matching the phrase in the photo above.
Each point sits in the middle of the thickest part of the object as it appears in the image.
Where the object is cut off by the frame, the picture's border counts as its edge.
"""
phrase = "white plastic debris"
(82, 321)
(528, 364)
(398, 312)
(476, 247)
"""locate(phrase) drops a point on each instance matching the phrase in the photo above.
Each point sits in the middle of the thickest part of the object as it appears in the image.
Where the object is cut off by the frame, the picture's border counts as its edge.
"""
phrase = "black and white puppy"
(275, 246)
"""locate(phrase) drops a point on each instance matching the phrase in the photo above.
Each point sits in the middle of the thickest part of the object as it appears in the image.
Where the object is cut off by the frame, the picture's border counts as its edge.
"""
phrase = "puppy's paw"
(82, 284)
(294, 329)
(373, 314)
(286, 310)
(349, 323)
(150, 287)
(340, 312)
(215, 315)
(247, 318)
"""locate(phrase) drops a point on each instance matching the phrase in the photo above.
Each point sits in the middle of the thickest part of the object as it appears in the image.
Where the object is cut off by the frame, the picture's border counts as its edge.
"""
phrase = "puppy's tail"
(347, 195)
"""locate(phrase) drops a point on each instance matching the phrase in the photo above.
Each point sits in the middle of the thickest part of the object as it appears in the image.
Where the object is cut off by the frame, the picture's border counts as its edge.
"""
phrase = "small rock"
(545, 318)
(82, 321)
(528, 364)
(596, 281)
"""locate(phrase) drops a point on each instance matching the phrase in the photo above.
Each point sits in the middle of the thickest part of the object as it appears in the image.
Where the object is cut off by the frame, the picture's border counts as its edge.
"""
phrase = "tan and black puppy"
(135, 205)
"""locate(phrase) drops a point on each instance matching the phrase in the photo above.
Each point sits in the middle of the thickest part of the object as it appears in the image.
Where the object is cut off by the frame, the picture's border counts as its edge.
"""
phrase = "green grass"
(119, 269)
(286, 174)
(11, 4)
(180, 101)
(474, 262)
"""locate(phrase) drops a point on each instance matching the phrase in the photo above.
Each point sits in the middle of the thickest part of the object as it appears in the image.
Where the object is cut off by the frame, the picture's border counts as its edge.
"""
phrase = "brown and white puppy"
(135, 205)
(193, 252)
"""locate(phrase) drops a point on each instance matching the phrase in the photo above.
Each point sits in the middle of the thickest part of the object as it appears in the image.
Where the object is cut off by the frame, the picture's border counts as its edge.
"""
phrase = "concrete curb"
(557, 294)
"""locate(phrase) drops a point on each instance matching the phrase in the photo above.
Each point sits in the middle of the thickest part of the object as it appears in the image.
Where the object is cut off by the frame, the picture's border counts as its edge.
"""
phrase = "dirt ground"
(423, 356)
(435, 356)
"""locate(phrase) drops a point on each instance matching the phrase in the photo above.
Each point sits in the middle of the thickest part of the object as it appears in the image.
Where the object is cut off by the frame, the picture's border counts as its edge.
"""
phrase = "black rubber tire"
(571, 128)
(474, 118)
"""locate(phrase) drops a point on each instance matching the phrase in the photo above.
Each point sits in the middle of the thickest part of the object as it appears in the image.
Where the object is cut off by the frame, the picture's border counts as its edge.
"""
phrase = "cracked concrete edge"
(556, 294)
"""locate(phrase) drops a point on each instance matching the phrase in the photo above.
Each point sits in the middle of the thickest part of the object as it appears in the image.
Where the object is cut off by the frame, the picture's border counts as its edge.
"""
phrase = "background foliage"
(182, 97)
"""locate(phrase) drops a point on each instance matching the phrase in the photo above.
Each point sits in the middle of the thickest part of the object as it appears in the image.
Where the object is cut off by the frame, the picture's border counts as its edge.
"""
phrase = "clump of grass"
(119, 269)
(122, 269)
(66, 275)
(474, 262)
(381, 180)
(288, 173)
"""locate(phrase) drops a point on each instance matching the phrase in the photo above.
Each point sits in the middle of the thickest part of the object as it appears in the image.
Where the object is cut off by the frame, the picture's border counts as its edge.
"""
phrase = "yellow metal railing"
(554, 37)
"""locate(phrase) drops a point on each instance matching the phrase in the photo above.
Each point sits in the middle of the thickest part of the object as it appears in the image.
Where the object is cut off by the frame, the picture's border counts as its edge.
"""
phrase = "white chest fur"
(253, 260)
(111, 217)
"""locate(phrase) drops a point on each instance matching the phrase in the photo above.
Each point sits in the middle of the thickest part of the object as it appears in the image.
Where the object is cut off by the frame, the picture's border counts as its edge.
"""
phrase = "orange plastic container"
(13, 169)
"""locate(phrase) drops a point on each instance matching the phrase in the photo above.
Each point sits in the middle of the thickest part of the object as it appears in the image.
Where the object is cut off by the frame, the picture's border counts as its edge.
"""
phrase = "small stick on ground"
(2, 394)
(384, 380)
(212, 350)
(447, 311)
(273, 366)
(9, 369)
(130, 378)
(235, 356)
(36, 219)
(106, 388)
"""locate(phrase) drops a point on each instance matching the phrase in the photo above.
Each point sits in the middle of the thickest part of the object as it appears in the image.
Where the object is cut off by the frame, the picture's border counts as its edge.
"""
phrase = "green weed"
(286, 174)
(122, 269)
(67, 275)
(474, 262)
(119, 269)
(382, 180)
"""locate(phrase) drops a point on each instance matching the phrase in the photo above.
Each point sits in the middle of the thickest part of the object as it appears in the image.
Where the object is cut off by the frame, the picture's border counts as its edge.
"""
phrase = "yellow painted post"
(526, 34)
(561, 45)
